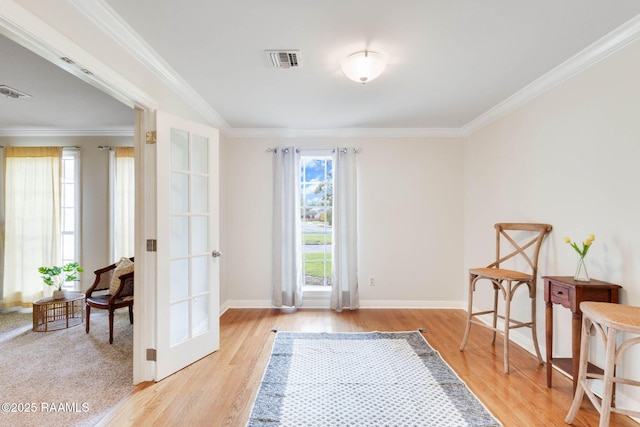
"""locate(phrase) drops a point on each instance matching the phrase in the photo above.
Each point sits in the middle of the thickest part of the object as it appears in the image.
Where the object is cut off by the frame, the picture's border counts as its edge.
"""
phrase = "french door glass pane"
(179, 197)
(200, 192)
(200, 147)
(178, 285)
(179, 236)
(179, 149)
(200, 315)
(179, 313)
(199, 234)
(200, 274)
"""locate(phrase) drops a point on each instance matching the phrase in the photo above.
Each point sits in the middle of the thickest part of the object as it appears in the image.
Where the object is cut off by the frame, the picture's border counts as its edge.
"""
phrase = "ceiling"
(59, 102)
(448, 61)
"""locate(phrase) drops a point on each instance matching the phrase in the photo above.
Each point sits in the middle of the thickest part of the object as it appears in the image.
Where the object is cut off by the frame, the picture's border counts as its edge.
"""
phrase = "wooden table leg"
(549, 339)
(576, 325)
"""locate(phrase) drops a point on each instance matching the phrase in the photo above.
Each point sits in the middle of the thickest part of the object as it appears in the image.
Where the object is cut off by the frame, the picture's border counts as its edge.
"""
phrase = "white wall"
(95, 195)
(410, 216)
(568, 158)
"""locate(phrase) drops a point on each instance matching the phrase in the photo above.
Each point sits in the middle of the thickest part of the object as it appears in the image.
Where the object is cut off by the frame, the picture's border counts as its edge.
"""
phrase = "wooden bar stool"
(514, 242)
(608, 320)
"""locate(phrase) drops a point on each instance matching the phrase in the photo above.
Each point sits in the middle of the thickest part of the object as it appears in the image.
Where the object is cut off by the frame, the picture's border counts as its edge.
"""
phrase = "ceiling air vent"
(284, 58)
(10, 92)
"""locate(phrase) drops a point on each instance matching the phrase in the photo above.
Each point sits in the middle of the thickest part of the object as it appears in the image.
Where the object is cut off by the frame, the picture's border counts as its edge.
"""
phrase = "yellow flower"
(585, 245)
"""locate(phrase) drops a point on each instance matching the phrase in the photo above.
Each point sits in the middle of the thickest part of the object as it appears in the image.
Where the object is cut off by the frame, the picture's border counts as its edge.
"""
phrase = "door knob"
(215, 254)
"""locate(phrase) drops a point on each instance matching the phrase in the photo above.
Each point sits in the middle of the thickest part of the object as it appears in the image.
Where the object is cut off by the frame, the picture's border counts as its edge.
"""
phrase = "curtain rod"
(344, 150)
(72, 147)
(112, 147)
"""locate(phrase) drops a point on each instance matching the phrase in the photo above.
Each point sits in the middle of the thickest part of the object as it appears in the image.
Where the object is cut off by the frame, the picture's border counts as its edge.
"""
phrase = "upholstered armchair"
(111, 290)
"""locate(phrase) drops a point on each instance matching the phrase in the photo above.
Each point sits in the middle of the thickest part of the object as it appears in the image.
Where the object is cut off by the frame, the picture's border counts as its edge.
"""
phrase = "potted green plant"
(57, 276)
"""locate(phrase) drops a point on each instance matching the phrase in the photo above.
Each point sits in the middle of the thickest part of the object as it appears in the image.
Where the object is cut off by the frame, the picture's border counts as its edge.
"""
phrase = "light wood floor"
(219, 389)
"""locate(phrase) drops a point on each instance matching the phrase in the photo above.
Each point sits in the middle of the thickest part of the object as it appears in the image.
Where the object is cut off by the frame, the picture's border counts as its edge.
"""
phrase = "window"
(316, 206)
(69, 204)
(315, 211)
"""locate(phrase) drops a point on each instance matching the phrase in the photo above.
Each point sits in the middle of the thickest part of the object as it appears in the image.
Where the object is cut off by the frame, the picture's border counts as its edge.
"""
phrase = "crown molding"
(256, 133)
(113, 25)
(21, 26)
(605, 46)
(345, 133)
(65, 132)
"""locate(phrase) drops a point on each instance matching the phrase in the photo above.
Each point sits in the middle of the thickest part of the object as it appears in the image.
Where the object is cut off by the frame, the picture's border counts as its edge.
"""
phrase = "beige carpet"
(64, 377)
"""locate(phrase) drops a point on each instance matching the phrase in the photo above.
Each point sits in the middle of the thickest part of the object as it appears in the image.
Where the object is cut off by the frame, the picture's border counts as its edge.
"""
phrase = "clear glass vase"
(581, 271)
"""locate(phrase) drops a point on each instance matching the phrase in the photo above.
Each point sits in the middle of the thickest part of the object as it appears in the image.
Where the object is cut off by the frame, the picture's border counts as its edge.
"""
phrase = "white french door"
(187, 298)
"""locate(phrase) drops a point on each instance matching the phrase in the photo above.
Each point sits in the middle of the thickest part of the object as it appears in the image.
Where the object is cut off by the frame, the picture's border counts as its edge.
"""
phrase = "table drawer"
(560, 295)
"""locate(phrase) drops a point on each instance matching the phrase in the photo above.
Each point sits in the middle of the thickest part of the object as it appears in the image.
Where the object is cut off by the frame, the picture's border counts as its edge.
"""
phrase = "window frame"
(326, 155)
(71, 153)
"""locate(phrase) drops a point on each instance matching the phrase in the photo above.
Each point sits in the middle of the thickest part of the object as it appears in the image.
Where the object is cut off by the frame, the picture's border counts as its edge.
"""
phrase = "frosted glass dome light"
(362, 67)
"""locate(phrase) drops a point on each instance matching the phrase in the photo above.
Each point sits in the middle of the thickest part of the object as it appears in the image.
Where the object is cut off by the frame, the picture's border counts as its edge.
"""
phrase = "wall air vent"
(284, 58)
(10, 92)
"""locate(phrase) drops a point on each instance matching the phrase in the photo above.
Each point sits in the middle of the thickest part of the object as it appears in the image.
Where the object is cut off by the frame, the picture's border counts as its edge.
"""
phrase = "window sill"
(316, 290)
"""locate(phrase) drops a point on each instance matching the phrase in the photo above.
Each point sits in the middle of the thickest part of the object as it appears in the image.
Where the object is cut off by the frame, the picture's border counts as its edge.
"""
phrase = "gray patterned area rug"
(362, 379)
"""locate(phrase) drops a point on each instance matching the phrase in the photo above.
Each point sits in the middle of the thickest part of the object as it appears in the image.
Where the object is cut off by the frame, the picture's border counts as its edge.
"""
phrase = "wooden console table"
(569, 293)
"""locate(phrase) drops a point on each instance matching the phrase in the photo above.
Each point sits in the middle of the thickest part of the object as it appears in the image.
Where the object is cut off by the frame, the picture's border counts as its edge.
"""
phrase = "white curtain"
(32, 220)
(1, 226)
(287, 256)
(344, 288)
(123, 203)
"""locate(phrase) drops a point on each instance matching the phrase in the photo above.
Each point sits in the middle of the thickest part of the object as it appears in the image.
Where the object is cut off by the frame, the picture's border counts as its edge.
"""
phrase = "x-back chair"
(517, 237)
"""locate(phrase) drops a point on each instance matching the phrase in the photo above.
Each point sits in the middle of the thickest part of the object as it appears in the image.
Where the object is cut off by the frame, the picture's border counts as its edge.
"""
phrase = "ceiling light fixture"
(362, 67)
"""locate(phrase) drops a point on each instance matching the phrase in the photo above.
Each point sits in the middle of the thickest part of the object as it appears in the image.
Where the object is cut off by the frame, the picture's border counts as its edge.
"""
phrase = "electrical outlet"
(372, 282)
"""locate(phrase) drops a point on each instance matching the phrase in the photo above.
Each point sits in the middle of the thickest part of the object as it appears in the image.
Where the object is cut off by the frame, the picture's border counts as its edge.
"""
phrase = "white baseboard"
(412, 304)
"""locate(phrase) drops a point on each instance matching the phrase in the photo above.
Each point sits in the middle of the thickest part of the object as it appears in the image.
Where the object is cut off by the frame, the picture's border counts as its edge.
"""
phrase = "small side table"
(51, 314)
(569, 293)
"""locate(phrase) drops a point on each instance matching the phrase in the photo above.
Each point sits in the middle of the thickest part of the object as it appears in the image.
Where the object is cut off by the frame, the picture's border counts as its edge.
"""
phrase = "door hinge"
(151, 354)
(151, 137)
(152, 245)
